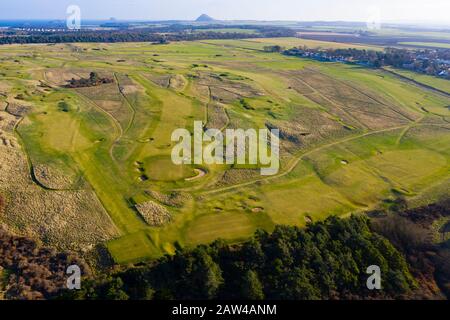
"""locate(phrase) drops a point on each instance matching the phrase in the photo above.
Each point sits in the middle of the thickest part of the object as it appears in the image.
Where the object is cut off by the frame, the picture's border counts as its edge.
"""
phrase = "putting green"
(161, 168)
(351, 137)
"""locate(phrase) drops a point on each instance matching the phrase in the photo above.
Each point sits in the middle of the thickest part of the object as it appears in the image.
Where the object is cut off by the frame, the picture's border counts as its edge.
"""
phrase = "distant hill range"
(205, 18)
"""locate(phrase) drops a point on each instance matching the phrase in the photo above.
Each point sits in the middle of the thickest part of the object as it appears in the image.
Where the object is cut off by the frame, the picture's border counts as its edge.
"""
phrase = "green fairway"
(352, 138)
(435, 82)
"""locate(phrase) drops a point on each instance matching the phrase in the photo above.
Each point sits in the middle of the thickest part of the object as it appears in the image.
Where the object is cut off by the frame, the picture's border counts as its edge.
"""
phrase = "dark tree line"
(156, 35)
(273, 49)
(327, 260)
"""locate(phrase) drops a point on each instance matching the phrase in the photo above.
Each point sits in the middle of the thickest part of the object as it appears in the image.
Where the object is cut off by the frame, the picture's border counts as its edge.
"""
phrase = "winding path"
(294, 162)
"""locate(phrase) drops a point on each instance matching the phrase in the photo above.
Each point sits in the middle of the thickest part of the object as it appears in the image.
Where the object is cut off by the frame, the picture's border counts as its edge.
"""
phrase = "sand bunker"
(200, 173)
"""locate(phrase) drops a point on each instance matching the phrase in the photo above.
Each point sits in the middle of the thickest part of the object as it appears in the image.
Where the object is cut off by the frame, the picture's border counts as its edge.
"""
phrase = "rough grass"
(354, 137)
(65, 219)
(153, 213)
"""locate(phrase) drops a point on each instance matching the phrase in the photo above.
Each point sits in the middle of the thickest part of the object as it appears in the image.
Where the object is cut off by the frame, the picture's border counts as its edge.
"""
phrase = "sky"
(430, 11)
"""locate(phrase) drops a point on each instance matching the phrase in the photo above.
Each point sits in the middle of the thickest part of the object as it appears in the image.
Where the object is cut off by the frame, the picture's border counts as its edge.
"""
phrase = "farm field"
(81, 167)
(425, 36)
(315, 44)
(427, 44)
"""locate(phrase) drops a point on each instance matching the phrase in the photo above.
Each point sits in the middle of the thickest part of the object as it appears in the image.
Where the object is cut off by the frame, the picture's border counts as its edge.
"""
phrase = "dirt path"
(116, 123)
(403, 133)
(130, 105)
(297, 159)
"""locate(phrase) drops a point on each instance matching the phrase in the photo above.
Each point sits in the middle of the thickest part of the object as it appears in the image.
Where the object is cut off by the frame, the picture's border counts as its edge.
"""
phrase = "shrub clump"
(93, 80)
(153, 213)
(34, 272)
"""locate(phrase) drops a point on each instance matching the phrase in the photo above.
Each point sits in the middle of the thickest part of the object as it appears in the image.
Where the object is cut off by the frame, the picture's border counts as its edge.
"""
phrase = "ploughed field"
(86, 166)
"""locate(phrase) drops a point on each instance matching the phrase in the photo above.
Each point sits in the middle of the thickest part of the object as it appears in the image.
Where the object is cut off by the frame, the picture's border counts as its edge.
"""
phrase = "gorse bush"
(31, 272)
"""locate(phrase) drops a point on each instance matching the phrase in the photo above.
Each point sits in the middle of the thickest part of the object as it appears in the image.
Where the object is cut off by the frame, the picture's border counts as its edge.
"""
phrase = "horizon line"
(113, 19)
